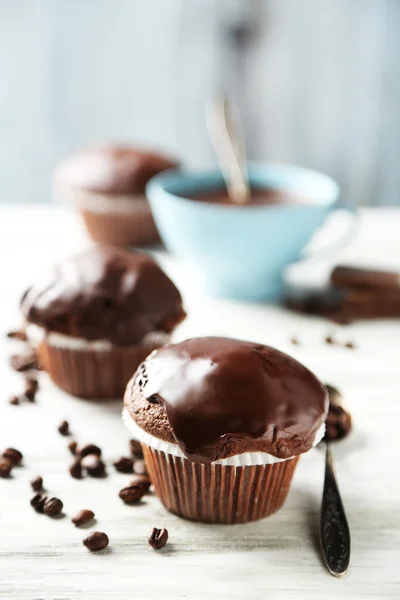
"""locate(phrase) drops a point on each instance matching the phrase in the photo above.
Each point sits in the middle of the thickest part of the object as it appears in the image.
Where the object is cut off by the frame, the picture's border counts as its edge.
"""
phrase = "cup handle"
(344, 239)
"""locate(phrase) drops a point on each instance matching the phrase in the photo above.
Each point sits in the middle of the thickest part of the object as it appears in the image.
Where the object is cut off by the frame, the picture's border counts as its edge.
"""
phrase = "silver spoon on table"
(334, 529)
(227, 138)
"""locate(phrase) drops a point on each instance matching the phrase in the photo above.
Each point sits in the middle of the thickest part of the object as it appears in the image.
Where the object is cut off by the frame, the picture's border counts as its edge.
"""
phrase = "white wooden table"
(277, 558)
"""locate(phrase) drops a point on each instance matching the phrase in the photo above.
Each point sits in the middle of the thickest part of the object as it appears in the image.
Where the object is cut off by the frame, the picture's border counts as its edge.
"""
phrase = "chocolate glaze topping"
(224, 396)
(105, 293)
(112, 169)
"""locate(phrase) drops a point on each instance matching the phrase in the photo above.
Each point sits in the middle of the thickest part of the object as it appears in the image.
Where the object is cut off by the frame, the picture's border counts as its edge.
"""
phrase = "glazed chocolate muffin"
(100, 314)
(222, 423)
(107, 185)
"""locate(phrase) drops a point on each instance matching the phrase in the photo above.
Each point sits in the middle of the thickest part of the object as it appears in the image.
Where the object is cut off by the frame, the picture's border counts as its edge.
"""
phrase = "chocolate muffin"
(107, 185)
(222, 423)
(100, 314)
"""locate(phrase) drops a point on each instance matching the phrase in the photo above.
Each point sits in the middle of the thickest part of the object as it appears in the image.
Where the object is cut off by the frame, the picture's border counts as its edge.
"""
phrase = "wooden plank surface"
(276, 558)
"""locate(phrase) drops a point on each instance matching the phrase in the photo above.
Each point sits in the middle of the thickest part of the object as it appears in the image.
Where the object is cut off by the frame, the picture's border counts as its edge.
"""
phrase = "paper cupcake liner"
(214, 493)
(134, 229)
(90, 372)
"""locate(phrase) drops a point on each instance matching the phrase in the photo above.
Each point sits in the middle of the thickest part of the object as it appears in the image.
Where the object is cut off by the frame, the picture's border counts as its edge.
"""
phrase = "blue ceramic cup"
(241, 251)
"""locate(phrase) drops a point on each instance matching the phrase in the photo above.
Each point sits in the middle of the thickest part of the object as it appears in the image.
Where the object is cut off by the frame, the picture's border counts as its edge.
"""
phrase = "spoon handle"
(228, 142)
(334, 529)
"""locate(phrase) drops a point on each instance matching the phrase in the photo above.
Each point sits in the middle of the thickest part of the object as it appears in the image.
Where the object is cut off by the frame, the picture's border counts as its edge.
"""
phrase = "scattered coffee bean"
(75, 470)
(95, 541)
(15, 456)
(5, 467)
(132, 494)
(294, 341)
(52, 507)
(63, 428)
(83, 517)
(158, 538)
(142, 481)
(38, 501)
(350, 345)
(72, 446)
(37, 483)
(93, 465)
(88, 449)
(14, 400)
(329, 340)
(31, 387)
(139, 467)
(124, 465)
(136, 448)
(25, 362)
(18, 334)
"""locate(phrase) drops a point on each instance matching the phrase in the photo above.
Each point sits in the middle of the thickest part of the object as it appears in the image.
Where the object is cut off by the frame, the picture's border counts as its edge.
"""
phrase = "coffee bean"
(136, 448)
(14, 400)
(132, 494)
(63, 428)
(83, 517)
(18, 334)
(31, 387)
(95, 541)
(350, 345)
(139, 467)
(72, 446)
(158, 538)
(294, 341)
(15, 456)
(5, 467)
(52, 507)
(37, 483)
(329, 340)
(88, 449)
(38, 501)
(75, 469)
(142, 481)
(93, 465)
(25, 362)
(124, 465)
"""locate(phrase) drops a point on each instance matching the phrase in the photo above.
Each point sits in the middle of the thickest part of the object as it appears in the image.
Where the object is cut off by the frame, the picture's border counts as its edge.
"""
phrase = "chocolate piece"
(158, 538)
(83, 517)
(25, 362)
(6, 467)
(52, 507)
(63, 428)
(95, 541)
(132, 494)
(93, 465)
(105, 293)
(112, 169)
(18, 334)
(124, 464)
(75, 469)
(15, 456)
(38, 502)
(37, 483)
(217, 397)
(88, 449)
(351, 277)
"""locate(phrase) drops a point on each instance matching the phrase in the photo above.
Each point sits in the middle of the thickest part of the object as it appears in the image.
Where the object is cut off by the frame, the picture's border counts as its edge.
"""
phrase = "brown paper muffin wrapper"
(217, 493)
(90, 373)
(133, 229)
